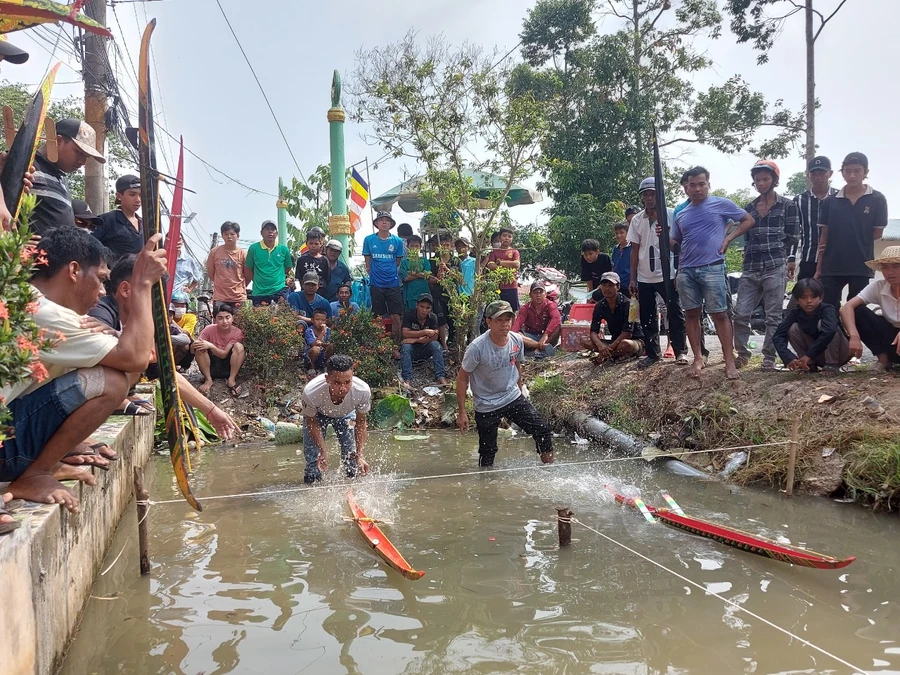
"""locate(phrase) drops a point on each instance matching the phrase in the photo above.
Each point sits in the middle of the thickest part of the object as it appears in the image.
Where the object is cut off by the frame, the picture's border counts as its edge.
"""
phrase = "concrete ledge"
(48, 565)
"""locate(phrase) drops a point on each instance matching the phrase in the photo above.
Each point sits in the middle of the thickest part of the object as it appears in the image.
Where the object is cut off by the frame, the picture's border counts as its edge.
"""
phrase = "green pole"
(338, 221)
(281, 205)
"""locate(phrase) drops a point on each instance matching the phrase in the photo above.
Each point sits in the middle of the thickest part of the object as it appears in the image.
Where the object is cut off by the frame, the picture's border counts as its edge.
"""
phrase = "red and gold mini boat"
(382, 546)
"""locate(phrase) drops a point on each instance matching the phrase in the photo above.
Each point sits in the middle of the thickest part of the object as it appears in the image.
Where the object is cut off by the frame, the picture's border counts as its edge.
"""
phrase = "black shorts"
(386, 301)
(220, 369)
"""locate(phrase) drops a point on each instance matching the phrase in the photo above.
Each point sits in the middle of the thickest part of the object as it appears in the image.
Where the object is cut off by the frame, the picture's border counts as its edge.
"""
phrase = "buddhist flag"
(359, 197)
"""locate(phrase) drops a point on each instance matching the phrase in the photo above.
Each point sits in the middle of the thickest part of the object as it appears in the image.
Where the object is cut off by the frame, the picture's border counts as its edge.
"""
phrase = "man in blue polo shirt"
(383, 252)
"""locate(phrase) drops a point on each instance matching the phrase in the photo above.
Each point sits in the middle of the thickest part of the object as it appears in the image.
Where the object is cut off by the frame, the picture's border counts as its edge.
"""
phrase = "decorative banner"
(359, 197)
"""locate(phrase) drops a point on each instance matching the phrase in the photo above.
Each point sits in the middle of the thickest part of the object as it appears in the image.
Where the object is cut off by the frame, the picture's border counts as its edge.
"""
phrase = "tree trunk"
(810, 84)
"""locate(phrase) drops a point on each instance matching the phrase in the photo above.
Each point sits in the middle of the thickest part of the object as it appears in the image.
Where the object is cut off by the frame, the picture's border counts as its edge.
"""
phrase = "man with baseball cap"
(120, 230)
(340, 273)
(383, 253)
(308, 300)
(75, 142)
(802, 260)
(626, 337)
(849, 224)
(267, 265)
(492, 365)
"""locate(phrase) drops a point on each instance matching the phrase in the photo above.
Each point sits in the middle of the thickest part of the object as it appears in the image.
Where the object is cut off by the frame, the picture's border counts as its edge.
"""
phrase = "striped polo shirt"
(54, 202)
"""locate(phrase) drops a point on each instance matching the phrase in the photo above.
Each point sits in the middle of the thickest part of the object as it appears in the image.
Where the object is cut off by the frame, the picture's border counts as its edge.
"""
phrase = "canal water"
(280, 583)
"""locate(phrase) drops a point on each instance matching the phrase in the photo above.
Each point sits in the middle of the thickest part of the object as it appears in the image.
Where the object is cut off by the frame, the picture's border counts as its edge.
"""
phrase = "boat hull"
(379, 543)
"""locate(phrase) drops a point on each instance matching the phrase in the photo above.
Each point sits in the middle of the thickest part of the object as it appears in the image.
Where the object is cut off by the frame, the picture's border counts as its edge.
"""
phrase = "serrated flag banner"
(359, 197)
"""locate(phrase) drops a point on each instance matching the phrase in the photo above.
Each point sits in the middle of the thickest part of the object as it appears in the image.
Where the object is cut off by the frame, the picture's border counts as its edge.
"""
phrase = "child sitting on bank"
(813, 330)
(318, 342)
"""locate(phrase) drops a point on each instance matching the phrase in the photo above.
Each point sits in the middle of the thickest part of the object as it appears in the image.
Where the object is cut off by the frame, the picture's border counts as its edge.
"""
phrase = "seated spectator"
(181, 346)
(343, 302)
(220, 352)
(84, 217)
(318, 342)
(538, 323)
(812, 329)
(340, 273)
(594, 265)
(187, 321)
(881, 334)
(84, 378)
(627, 338)
(313, 260)
(308, 300)
(414, 272)
(420, 341)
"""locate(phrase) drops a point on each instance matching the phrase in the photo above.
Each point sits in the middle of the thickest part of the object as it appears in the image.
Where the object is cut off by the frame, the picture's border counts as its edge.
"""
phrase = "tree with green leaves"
(449, 110)
(760, 22)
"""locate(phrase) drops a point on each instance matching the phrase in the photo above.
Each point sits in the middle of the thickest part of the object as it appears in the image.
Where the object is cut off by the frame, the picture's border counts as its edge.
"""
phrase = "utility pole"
(96, 84)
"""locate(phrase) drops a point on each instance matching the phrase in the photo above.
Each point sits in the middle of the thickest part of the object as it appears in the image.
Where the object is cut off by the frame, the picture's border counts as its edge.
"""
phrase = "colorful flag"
(359, 196)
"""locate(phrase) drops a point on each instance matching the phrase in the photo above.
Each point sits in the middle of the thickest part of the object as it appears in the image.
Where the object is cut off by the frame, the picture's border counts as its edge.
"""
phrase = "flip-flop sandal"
(132, 410)
(93, 452)
(238, 392)
(12, 505)
(110, 454)
(6, 528)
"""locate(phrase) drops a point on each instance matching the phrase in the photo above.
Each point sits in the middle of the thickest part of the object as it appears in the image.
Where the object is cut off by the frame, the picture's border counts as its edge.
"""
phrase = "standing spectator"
(383, 253)
(421, 341)
(75, 142)
(881, 334)
(443, 266)
(621, 257)
(594, 265)
(187, 272)
(225, 267)
(120, 230)
(630, 213)
(219, 352)
(318, 342)
(267, 265)
(538, 323)
(811, 327)
(508, 257)
(766, 247)
(467, 265)
(413, 273)
(404, 231)
(313, 260)
(339, 273)
(626, 337)
(802, 261)
(343, 302)
(493, 365)
(647, 280)
(849, 224)
(308, 300)
(700, 231)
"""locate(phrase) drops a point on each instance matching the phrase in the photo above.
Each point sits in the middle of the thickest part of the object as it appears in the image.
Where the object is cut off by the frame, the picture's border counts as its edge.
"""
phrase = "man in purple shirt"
(700, 229)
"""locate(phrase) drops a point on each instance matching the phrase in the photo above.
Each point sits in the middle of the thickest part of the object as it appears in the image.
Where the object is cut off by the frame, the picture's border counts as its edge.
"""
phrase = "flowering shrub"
(272, 342)
(362, 337)
(21, 341)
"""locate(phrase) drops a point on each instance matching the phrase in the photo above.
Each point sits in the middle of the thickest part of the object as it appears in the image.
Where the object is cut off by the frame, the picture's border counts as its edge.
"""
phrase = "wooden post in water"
(792, 457)
(564, 525)
(141, 497)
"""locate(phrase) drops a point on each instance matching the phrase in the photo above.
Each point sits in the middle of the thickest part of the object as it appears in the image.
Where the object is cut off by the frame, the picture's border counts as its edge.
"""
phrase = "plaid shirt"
(774, 235)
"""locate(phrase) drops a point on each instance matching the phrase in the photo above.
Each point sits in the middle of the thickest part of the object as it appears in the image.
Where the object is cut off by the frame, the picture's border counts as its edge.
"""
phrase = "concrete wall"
(48, 565)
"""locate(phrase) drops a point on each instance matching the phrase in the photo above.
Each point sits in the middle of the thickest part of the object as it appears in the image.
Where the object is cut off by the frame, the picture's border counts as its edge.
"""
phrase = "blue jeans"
(421, 352)
(36, 418)
(549, 350)
(346, 439)
(703, 285)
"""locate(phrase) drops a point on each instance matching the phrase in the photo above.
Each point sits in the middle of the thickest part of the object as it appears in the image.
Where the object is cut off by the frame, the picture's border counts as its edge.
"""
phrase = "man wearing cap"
(120, 230)
(763, 275)
(647, 280)
(75, 142)
(881, 334)
(312, 259)
(849, 224)
(307, 300)
(538, 323)
(383, 253)
(84, 217)
(802, 261)
(612, 307)
(267, 265)
(338, 271)
(492, 365)
(421, 341)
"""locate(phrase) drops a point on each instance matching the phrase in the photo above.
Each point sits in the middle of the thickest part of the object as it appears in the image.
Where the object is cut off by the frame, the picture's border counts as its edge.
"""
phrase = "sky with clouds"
(207, 94)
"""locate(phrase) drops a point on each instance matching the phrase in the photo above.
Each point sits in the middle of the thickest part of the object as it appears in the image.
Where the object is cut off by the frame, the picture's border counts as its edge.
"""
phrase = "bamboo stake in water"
(142, 498)
(564, 525)
(792, 457)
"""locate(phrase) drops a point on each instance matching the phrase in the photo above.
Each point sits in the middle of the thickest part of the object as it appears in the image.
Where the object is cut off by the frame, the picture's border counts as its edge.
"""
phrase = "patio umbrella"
(20, 14)
(485, 184)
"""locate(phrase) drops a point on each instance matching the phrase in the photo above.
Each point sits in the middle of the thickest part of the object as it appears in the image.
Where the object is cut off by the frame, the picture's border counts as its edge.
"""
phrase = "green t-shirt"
(269, 267)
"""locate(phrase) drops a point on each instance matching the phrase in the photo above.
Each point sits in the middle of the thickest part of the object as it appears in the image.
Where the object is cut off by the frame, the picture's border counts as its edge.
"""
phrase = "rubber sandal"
(110, 455)
(13, 505)
(132, 410)
(6, 528)
(238, 392)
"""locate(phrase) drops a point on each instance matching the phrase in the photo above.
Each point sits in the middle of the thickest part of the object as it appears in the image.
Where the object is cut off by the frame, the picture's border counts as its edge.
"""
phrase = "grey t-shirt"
(317, 399)
(492, 370)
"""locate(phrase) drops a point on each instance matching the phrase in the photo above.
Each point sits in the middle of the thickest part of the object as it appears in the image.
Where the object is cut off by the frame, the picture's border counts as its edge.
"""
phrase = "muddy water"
(281, 584)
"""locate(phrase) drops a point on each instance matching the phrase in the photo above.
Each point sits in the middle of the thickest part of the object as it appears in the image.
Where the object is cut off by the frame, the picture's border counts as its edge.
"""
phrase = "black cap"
(127, 182)
(631, 210)
(82, 211)
(856, 158)
(426, 297)
(820, 163)
(11, 53)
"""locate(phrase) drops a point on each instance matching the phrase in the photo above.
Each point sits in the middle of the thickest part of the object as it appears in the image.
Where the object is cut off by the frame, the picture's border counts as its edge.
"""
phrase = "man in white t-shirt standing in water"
(493, 365)
(333, 398)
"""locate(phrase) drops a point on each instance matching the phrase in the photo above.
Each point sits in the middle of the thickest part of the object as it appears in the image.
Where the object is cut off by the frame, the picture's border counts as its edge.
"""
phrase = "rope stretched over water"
(731, 603)
(410, 479)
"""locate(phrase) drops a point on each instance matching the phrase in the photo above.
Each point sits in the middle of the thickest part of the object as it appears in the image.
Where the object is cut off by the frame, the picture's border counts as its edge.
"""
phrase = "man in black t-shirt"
(421, 341)
(627, 338)
(594, 264)
(313, 260)
(121, 230)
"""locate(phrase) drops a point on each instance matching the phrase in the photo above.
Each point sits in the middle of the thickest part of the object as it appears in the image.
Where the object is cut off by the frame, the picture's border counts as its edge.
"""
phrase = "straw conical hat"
(890, 254)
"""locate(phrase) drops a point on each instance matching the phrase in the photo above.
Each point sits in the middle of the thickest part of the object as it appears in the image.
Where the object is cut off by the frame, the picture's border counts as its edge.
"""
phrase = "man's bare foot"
(547, 457)
(44, 489)
(696, 367)
(205, 387)
(66, 472)
(731, 373)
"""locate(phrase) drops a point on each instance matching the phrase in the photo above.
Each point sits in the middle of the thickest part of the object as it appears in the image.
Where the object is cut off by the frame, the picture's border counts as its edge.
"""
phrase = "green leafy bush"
(361, 336)
(272, 341)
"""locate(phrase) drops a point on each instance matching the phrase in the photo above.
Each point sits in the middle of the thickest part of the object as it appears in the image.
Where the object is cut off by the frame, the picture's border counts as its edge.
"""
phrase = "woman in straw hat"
(881, 334)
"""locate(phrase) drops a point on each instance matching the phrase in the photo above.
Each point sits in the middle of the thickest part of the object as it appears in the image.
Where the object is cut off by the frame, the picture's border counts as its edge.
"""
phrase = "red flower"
(27, 345)
(39, 372)
(32, 307)
(4, 313)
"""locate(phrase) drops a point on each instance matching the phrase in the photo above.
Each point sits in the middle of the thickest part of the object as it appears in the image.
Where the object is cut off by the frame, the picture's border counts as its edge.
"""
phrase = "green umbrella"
(484, 184)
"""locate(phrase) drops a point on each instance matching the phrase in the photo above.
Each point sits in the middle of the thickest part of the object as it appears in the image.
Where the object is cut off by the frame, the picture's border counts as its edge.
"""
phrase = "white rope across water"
(728, 602)
(409, 479)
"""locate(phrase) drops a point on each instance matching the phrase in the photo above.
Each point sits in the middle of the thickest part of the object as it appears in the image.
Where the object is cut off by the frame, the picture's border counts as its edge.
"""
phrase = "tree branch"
(830, 16)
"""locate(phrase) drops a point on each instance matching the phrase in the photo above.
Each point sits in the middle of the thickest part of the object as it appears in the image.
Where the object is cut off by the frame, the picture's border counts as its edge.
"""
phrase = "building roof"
(892, 231)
